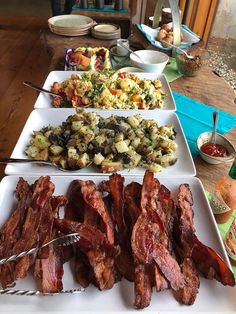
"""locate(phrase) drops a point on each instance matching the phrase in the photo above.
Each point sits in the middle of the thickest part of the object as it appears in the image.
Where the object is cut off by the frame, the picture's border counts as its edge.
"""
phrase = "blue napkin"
(150, 33)
(196, 118)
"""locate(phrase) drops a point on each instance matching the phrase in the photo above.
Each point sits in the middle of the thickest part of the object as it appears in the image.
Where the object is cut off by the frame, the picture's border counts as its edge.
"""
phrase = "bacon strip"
(211, 265)
(10, 232)
(43, 191)
(48, 272)
(143, 286)
(185, 212)
(147, 247)
(48, 267)
(149, 195)
(116, 189)
(94, 199)
(90, 237)
(187, 295)
(75, 207)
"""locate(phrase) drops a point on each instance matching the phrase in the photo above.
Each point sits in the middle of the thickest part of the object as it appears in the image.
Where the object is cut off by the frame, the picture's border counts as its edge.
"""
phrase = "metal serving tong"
(60, 241)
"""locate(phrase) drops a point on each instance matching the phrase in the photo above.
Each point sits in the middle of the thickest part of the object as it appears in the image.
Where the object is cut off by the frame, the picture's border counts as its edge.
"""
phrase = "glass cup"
(191, 67)
(121, 50)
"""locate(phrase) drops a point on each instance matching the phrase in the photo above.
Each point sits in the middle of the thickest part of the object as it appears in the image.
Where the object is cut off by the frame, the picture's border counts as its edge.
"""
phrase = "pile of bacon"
(134, 231)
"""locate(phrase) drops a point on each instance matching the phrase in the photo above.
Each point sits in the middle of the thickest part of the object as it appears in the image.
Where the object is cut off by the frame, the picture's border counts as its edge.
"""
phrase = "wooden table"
(206, 87)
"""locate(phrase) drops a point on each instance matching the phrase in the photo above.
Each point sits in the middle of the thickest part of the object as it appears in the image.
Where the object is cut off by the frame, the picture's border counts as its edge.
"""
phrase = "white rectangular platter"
(212, 297)
(44, 100)
(43, 117)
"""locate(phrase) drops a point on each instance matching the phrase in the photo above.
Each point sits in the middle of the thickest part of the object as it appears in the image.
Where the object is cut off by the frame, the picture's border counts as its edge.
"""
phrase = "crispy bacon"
(185, 213)
(101, 264)
(42, 193)
(82, 269)
(147, 248)
(48, 272)
(132, 198)
(187, 295)
(90, 237)
(93, 198)
(160, 281)
(48, 267)
(211, 265)
(150, 190)
(116, 189)
(143, 286)
(10, 232)
(75, 207)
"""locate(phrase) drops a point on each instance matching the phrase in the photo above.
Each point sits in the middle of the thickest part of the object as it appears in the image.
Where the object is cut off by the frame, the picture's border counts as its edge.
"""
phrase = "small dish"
(114, 52)
(153, 61)
(220, 139)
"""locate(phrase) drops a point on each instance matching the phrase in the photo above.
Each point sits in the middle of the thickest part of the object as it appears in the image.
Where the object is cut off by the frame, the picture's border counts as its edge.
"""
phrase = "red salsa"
(215, 150)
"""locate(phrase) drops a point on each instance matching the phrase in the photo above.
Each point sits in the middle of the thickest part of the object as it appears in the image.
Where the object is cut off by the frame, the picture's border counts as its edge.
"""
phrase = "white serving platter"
(44, 100)
(40, 118)
(212, 297)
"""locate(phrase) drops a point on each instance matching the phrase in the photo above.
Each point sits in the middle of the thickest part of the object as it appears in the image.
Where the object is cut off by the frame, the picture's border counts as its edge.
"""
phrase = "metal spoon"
(215, 120)
(40, 89)
(187, 55)
(35, 161)
(131, 51)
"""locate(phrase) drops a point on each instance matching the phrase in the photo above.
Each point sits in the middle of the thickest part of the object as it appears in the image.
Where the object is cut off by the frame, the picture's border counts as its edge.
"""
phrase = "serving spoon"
(36, 161)
(40, 89)
(187, 55)
(131, 51)
(215, 120)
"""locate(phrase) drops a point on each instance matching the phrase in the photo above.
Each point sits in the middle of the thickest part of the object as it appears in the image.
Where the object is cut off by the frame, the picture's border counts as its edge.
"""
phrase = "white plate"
(40, 118)
(70, 21)
(212, 296)
(44, 100)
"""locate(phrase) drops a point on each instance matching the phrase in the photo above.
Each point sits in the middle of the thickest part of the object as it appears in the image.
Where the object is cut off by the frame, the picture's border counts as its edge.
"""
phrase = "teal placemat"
(75, 7)
(196, 118)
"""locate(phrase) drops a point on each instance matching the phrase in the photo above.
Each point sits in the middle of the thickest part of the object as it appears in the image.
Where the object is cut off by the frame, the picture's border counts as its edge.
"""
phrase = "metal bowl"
(220, 139)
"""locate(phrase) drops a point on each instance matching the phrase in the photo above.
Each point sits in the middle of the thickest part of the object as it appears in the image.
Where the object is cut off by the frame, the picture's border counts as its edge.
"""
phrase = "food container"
(86, 59)
(220, 139)
(230, 242)
(188, 67)
(153, 61)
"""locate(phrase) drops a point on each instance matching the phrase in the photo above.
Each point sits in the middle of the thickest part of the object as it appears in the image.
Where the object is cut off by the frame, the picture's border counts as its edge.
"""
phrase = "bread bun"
(166, 27)
(161, 35)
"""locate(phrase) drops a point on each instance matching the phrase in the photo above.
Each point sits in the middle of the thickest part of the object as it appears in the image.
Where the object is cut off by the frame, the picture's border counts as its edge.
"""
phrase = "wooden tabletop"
(206, 87)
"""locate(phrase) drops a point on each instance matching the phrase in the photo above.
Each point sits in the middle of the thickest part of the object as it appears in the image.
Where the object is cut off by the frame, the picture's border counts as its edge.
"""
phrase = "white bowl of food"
(208, 152)
(152, 60)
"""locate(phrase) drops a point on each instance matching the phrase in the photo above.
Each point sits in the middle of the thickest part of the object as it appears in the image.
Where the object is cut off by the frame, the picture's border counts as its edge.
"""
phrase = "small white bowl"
(220, 139)
(153, 60)
(131, 69)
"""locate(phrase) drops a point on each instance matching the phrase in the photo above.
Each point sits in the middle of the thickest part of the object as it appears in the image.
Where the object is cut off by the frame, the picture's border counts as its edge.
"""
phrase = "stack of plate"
(106, 31)
(70, 25)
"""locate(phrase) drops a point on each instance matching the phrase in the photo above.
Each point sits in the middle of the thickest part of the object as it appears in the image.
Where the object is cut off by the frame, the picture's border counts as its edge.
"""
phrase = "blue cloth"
(196, 118)
(151, 35)
(75, 7)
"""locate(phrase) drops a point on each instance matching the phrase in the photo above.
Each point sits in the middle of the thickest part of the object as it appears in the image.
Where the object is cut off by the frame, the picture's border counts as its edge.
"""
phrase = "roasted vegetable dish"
(108, 90)
(112, 143)
(86, 59)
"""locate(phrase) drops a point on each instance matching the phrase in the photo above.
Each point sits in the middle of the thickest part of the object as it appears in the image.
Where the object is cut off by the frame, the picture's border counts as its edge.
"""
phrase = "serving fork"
(60, 241)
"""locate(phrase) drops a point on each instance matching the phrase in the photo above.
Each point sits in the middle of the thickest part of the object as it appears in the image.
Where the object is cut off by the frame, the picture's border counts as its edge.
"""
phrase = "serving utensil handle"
(215, 120)
(22, 160)
(40, 89)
